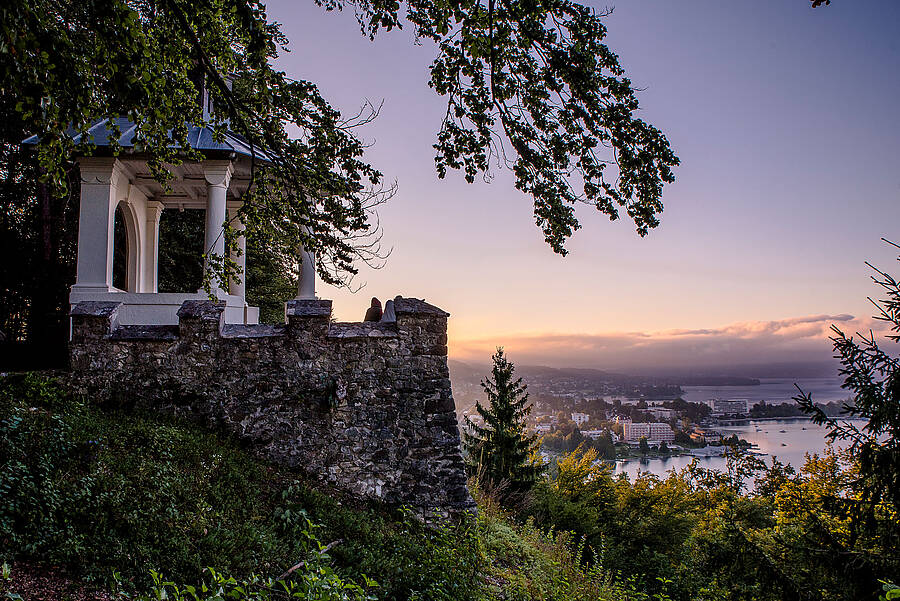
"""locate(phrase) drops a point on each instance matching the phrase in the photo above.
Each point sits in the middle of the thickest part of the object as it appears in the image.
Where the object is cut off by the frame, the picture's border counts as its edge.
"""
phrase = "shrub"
(116, 495)
(529, 564)
(409, 559)
(127, 492)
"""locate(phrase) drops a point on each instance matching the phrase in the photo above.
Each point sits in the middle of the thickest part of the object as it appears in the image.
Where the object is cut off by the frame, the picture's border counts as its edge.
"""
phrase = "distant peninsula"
(717, 381)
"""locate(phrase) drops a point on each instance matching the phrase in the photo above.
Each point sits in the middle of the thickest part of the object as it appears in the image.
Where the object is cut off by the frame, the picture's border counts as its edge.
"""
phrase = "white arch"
(133, 246)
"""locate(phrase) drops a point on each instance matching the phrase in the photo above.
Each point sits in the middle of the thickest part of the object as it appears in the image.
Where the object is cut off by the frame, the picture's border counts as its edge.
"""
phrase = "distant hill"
(466, 371)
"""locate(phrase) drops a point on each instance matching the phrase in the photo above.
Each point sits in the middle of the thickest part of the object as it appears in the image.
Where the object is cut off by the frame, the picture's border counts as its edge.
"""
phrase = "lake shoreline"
(788, 439)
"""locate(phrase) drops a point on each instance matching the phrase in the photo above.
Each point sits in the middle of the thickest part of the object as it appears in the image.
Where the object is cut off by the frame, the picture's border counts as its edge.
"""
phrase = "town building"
(655, 431)
(662, 413)
(580, 418)
(705, 435)
(595, 434)
(475, 418)
(731, 406)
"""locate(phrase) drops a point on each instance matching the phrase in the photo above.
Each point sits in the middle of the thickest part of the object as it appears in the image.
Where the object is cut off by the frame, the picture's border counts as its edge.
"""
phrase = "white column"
(307, 288)
(151, 247)
(102, 180)
(218, 176)
(235, 287)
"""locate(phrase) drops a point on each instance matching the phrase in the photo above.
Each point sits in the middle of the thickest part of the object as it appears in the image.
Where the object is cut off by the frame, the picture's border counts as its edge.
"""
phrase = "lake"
(771, 390)
(799, 436)
(787, 439)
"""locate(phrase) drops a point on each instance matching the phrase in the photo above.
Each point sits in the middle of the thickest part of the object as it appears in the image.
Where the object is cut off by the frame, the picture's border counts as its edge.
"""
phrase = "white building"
(731, 406)
(122, 192)
(475, 418)
(656, 431)
(542, 428)
(580, 418)
(594, 434)
(661, 413)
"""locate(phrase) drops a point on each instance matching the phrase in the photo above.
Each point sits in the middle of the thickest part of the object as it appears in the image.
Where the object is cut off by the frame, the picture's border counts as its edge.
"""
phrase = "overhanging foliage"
(528, 84)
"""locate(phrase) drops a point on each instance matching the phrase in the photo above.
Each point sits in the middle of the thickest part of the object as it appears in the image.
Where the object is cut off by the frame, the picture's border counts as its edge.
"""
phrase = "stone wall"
(364, 407)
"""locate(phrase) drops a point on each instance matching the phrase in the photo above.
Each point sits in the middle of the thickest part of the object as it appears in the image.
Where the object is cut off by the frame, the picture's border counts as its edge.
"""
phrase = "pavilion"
(122, 188)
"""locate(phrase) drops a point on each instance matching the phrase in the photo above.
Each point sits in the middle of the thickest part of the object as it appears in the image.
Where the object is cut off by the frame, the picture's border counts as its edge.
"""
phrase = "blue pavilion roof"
(200, 138)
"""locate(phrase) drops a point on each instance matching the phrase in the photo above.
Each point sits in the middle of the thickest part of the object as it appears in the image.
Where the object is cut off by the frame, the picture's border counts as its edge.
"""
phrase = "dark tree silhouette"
(873, 377)
(500, 451)
(529, 85)
(872, 504)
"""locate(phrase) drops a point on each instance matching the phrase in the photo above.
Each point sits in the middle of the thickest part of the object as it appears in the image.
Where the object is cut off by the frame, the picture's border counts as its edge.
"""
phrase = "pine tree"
(500, 450)
(872, 375)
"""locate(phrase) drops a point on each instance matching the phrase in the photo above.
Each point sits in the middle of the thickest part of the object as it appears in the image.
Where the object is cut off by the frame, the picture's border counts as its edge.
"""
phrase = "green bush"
(311, 580)
(409, 560)
(315, 585)
(530, 564)
(113, 491)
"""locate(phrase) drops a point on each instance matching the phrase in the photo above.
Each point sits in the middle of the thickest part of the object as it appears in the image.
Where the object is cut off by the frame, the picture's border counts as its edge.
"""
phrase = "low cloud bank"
(760, 348)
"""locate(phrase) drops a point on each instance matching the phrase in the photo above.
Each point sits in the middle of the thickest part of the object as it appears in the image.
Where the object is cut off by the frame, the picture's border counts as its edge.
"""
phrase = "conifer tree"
(500, 450)
(872, 375)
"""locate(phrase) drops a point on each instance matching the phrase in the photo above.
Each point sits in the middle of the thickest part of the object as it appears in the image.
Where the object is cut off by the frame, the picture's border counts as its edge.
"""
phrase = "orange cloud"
(794, 340)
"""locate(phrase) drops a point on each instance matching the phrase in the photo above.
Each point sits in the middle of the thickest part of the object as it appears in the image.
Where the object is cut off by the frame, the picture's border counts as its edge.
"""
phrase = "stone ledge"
(126, 333)
(363, 329)
(201, 309)
(416, 306)
(308, 308)
(263, 330)
(95, 308)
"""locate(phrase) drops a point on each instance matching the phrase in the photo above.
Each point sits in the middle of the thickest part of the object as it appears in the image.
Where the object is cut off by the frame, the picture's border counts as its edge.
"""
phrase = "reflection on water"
(787, 439)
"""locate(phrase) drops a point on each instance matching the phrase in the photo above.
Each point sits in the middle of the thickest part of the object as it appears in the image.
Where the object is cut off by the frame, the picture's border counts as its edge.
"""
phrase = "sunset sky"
(787, 122)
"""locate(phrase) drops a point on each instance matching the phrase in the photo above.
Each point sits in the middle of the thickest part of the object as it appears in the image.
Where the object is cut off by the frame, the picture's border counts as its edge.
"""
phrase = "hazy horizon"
(778, 371)
(751, 349)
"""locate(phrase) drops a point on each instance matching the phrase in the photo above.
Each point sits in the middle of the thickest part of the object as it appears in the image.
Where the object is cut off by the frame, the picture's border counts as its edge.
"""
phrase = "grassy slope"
(107, 493)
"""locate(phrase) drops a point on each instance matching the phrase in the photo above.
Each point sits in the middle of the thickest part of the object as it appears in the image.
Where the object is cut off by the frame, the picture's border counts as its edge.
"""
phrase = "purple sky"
(786, 122)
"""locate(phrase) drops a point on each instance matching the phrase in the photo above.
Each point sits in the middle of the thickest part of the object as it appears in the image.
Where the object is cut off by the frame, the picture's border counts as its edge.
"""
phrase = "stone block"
(308, 320)
(201, 319)
(308, 308)
(93, 320)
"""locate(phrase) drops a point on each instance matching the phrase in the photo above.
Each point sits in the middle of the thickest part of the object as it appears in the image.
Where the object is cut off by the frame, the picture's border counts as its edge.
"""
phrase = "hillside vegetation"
(137, 505)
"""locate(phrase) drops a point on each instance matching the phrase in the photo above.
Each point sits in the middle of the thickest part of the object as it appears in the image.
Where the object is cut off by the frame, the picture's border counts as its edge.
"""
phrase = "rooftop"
(123, 131)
